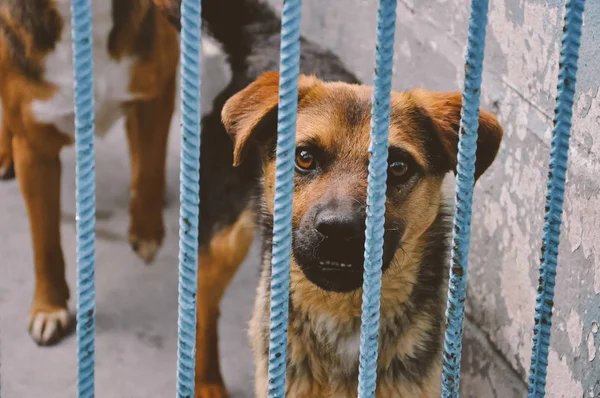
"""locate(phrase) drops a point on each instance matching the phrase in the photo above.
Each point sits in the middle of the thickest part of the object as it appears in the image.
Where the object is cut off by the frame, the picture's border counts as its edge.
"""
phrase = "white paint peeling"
(560, 381)
(582, 215)
(574, 329)
(591, 347)
(531, 39)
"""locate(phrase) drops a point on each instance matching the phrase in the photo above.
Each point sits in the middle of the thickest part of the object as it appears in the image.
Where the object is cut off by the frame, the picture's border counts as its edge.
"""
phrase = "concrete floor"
(136, 340)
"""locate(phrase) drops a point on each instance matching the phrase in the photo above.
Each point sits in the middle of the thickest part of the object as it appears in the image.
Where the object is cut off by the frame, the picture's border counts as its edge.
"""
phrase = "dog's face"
(332, 158)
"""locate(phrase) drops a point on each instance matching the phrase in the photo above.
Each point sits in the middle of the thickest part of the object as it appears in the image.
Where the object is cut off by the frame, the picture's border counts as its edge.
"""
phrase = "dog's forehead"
(338, 116)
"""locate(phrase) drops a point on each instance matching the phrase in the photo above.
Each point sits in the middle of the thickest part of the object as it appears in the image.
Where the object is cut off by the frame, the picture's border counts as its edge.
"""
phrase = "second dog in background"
(135, 65)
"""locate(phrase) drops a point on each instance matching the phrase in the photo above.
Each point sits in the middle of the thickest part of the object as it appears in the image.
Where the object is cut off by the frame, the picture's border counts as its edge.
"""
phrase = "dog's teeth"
(327, 262)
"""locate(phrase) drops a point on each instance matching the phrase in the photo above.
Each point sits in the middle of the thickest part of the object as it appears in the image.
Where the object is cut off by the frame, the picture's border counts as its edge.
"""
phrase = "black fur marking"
(121, 13)
(356, 111)
(145, 40)
(427, 353)
(40, 19)
(37, 18)
(436, 155)
(16, 50)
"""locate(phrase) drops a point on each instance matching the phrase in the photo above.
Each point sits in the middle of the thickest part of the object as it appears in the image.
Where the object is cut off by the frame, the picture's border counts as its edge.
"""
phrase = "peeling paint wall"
(523, 45)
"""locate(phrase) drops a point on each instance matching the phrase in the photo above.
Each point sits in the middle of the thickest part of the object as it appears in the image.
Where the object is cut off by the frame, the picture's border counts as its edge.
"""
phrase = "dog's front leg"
(147, 125)
(38, 171)
(217, 264)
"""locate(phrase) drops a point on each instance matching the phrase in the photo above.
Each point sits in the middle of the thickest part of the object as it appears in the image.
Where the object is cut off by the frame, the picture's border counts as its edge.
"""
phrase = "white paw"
(146, 249)
(48, 327)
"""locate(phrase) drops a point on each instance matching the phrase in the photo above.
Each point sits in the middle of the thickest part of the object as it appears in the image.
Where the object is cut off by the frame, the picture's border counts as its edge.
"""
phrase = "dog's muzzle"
(329, 245)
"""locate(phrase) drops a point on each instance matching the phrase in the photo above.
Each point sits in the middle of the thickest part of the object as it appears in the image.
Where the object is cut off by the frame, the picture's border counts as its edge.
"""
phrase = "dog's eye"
(398, 169)
(305, 160)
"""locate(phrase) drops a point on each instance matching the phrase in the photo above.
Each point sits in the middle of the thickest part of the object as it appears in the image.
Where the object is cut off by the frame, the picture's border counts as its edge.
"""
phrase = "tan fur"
(216, 267)
(323, 118)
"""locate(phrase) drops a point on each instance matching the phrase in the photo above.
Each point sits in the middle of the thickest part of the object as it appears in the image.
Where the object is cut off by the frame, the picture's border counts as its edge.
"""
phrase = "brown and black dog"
(136, 55)
(328, 223)
(328, 213)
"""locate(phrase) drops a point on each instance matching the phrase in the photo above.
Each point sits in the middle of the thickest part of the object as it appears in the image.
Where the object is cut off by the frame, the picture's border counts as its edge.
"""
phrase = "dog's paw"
(7, 167)
(49, 325)
(146, 234)
(210, 391)
(145, 249)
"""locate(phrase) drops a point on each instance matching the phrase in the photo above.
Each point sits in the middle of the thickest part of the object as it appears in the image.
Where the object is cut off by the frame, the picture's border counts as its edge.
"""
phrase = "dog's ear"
(251, 114)
(444, 109)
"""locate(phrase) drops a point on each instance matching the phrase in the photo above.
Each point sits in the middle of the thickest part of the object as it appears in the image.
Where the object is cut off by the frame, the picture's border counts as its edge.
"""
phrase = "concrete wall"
(523, 45)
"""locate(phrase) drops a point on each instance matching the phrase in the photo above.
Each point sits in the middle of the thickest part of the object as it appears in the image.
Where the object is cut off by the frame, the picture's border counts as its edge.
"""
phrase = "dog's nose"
(335, 222)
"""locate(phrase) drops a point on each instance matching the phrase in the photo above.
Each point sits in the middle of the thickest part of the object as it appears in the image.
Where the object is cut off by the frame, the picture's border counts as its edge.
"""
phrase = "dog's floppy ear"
(444, 109)
(251, 114)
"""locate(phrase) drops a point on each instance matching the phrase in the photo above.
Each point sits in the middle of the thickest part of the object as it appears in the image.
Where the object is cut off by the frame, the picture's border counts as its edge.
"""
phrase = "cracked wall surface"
(519, 85)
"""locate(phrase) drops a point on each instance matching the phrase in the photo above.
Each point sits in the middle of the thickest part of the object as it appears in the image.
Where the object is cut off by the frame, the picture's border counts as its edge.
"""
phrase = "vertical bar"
(284, 190)
(83, 67)
(465, 180)
(376, 195)
(191, 30)
(559, 153)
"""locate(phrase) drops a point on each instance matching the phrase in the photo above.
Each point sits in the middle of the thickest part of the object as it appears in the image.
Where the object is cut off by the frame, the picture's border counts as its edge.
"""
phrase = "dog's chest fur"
(324, 329)
(111, 77)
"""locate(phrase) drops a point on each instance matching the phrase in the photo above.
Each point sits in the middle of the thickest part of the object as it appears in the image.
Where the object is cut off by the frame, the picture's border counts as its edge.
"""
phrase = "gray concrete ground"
(136, 339)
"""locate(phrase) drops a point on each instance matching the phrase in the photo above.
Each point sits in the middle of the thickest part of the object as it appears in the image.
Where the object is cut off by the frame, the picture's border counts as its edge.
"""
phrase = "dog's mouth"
(335, 266)
(334, 275)
(340, 270)
(329, 247)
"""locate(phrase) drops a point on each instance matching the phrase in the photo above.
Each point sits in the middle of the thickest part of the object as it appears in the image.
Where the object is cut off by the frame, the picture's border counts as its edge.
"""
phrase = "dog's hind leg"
(7, 169)
(218, 262)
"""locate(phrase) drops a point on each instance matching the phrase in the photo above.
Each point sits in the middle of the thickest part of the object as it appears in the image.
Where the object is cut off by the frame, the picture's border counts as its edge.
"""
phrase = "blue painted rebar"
(83, 67)
(559, 153)
(465, 180)
(376, 195)
(289, 68)
(191, 30)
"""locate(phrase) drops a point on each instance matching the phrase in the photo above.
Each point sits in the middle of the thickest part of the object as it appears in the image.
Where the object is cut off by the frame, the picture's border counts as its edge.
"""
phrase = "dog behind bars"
(328, 214)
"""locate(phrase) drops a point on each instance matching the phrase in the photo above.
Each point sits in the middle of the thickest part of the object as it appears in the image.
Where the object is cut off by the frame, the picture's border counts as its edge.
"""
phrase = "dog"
(136, 55)
(328, 223)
